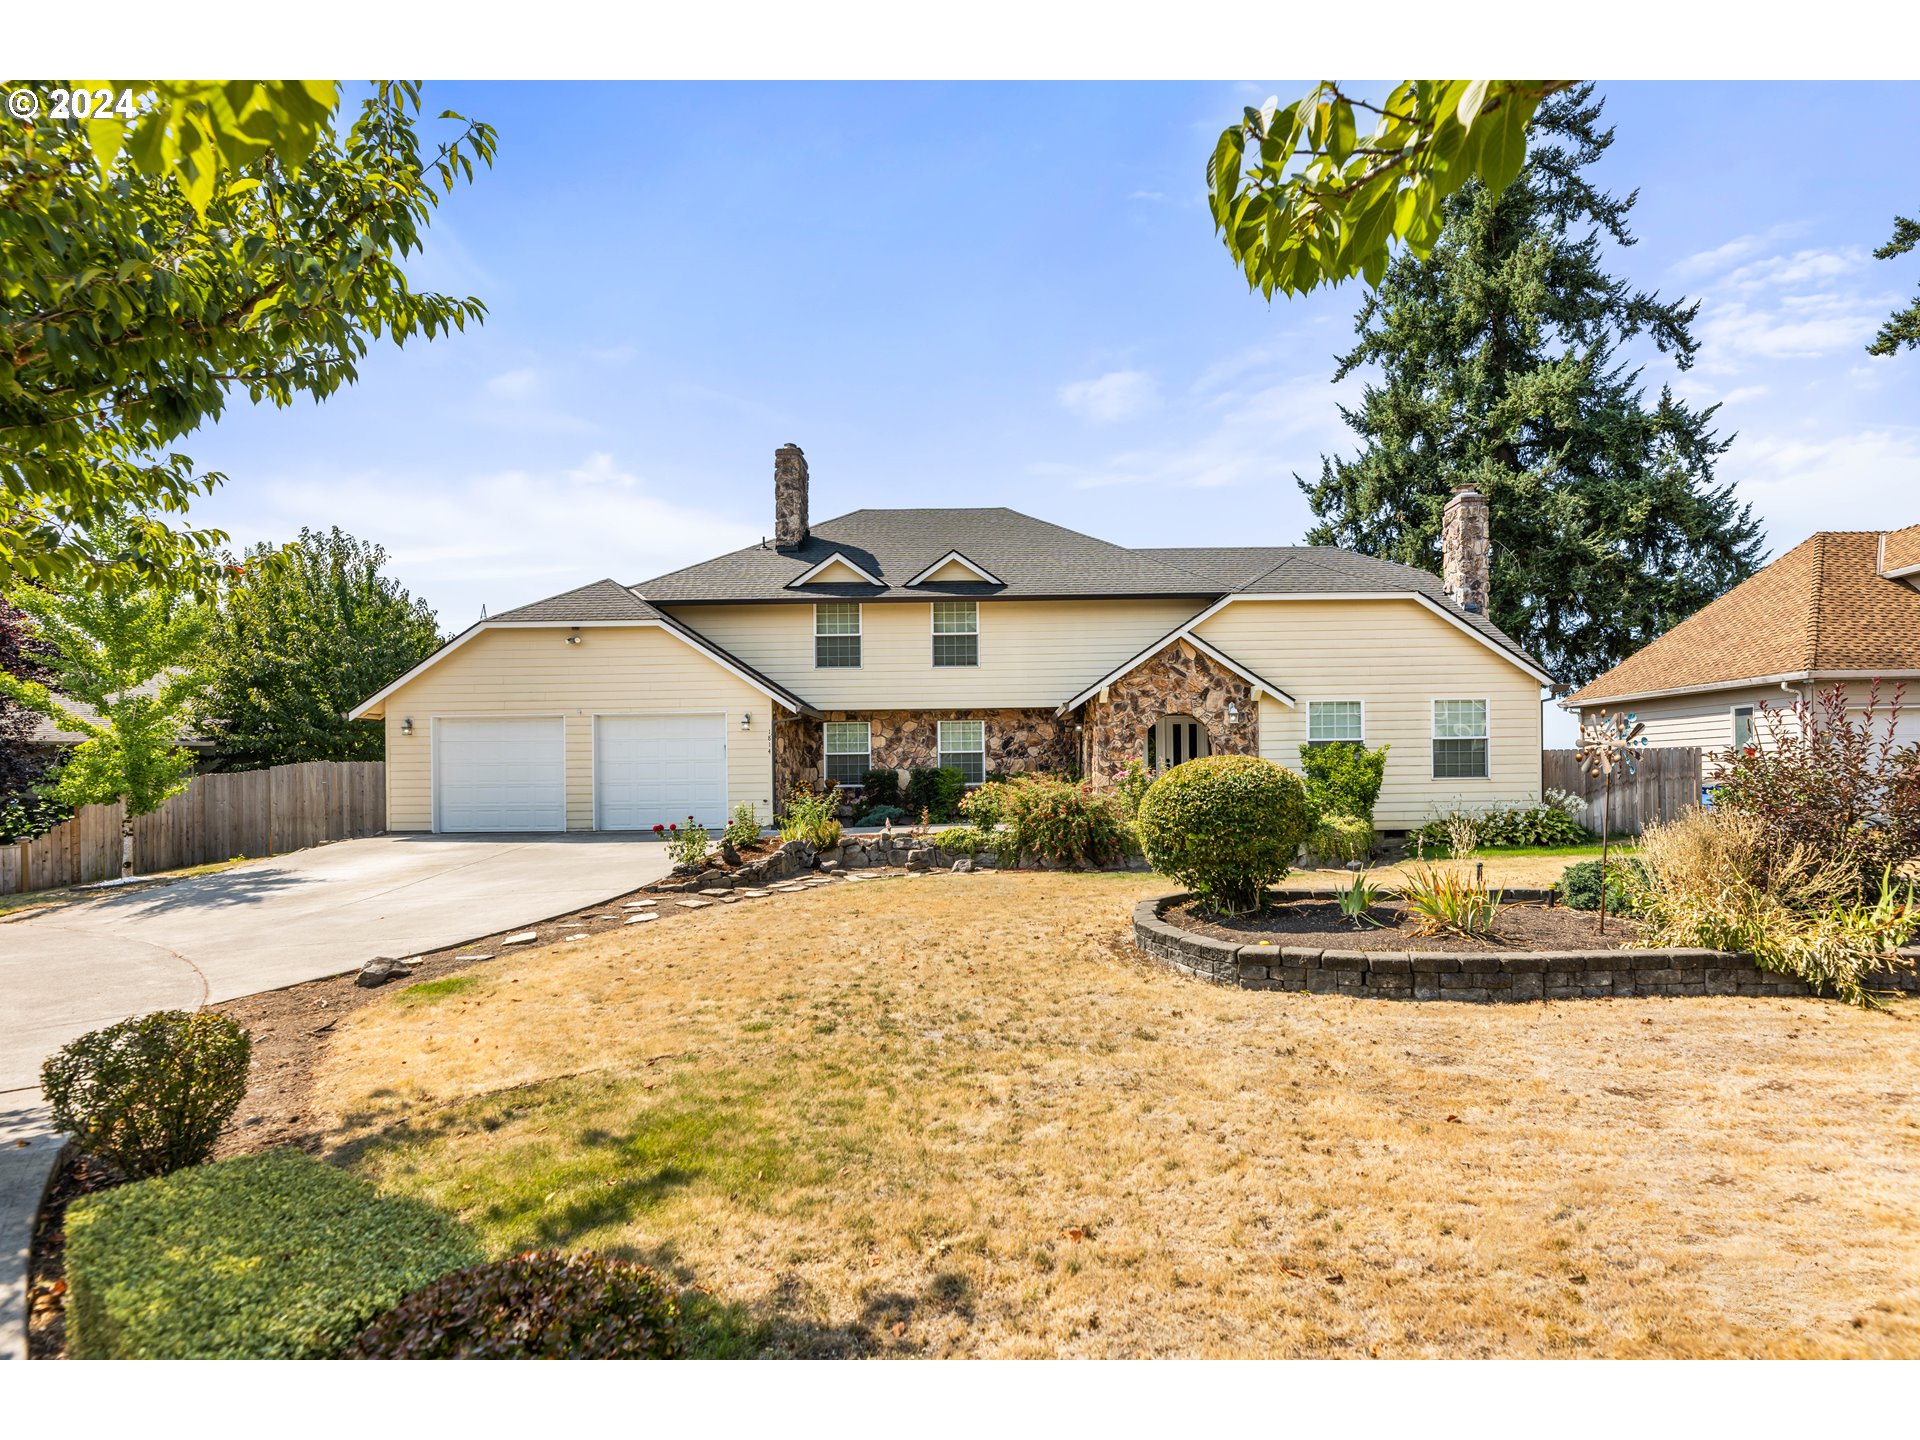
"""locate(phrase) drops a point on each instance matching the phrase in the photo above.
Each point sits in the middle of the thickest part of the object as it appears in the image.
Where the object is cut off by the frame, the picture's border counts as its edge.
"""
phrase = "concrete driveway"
(276, 922)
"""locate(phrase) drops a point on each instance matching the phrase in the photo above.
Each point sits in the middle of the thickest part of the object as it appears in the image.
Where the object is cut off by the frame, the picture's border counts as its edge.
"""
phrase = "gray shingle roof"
(1033, 559)
(602, 600)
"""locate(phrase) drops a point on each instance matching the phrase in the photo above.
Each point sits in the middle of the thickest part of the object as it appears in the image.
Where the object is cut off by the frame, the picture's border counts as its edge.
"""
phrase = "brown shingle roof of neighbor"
(1820, 607)
(1034, 559)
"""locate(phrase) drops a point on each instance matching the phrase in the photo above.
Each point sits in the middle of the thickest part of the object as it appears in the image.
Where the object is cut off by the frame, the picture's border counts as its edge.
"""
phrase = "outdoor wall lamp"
(746, 719)
(573, 639)
(1233, 713)
(406, 726)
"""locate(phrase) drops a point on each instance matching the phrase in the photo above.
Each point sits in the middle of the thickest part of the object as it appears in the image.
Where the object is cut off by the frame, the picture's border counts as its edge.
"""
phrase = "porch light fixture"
(573, 639)
(746, 719)
(406, 726)
(1233, 713)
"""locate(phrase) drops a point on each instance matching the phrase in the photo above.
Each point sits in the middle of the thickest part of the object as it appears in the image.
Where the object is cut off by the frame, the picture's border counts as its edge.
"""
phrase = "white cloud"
(1118, 395)
(1859, 480)
(521, 384)
(500, 538)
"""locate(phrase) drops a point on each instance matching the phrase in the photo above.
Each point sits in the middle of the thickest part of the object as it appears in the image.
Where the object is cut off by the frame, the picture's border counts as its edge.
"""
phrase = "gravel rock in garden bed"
(1319, 922)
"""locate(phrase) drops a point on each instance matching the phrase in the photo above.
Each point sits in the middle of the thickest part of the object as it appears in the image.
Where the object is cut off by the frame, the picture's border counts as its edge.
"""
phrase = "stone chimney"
(1466, 550)
(789, 497)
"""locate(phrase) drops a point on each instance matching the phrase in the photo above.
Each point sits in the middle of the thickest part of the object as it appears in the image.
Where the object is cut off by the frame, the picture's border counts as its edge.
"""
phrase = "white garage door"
(500, 774)
(653, 770)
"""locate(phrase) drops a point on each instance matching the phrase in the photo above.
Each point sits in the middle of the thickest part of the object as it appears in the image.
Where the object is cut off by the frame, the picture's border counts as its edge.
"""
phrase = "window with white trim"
(1742, 726)
(963, 747)
(848, 746)
(1336, 722)
(956, 632)
(1459, 739)
(836, 635)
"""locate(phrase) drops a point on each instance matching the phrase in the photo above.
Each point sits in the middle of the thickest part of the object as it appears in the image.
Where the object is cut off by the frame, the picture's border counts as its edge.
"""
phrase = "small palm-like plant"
(1451, 898)
(1357, 900)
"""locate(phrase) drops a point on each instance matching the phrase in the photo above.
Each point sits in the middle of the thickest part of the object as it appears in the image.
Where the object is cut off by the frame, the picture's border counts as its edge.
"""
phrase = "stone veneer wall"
(797, 759)
(1449, 975)
(1015, 739)
(1178, 681)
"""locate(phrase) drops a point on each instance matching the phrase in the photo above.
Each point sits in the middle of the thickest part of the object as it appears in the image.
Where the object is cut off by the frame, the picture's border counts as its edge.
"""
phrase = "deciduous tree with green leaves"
(1303, 198)
(304, 633)
(226, 240)
(1500, 364)
(129, 651)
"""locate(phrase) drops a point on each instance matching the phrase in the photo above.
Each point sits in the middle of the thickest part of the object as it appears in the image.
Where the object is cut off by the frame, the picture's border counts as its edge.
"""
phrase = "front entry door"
(1175, 739)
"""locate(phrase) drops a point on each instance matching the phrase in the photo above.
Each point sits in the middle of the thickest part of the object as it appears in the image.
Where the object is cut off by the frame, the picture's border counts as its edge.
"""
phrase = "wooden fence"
(217, 817)
(1665, 782)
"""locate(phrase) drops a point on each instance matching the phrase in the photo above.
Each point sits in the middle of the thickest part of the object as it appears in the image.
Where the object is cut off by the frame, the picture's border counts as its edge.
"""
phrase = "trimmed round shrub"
(1580, 884)
(1337, 839)
(1226, 827)
(277, 1256)
(149, 1095)
(539, 1306)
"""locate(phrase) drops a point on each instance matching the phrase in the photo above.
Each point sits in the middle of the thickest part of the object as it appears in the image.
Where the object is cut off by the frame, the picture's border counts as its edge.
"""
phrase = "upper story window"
(1335, 722)
(1742, 726)
(836, 635)
(956, 632)
(1459, 739)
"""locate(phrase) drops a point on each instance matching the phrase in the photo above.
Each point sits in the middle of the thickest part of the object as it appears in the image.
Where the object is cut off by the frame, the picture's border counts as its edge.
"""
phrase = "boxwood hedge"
(1226, 827)
(273, 1256)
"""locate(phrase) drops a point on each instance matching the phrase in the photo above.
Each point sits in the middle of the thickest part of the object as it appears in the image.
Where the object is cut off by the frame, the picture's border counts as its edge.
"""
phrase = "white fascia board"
(1185, 632)
(1791, 677)
(954, 557)
(364, 709)
(837, 556)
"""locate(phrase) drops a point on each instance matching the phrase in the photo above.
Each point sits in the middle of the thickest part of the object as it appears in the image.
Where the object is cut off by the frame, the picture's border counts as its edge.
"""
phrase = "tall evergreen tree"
(304, 634)
(1501, 365)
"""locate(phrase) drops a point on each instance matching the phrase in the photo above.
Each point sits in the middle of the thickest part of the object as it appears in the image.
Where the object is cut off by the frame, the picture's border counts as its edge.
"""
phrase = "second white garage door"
(653, 770)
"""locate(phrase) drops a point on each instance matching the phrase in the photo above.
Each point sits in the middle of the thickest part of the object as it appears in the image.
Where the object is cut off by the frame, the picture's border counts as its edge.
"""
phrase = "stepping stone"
(581, 936)
(693, 904)
(755, 894)
(523, 938)
(719, 891)
(641, 919)
(473, 957)
(641, 904)
(789, 889)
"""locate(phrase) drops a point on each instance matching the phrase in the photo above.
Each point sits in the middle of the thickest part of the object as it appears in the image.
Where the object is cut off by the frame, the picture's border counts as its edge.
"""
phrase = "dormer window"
(954, 568)
(836, 569)
(956, 633)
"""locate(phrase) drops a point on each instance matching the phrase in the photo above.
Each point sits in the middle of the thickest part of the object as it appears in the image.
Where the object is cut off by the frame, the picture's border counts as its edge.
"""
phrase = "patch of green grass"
(430, 990)
(1621, 846)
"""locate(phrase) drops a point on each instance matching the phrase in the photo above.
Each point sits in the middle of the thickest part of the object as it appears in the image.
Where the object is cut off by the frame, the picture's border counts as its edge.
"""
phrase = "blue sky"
(1006, 294)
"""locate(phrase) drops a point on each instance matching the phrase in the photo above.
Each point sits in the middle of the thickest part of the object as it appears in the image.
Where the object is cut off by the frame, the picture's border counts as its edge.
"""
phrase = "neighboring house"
(1841, 608)
(51, 734)
(981, 639)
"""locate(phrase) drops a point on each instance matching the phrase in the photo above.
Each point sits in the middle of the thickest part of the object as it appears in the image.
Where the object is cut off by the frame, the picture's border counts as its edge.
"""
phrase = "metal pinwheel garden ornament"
(1607, 745)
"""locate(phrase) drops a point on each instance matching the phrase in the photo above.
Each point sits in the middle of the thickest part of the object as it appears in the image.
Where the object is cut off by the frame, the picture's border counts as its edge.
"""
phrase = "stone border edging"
(1456, 975)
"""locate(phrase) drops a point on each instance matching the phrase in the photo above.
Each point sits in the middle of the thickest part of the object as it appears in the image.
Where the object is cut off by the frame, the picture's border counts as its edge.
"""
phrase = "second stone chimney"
(789, 497)
(1466, 550)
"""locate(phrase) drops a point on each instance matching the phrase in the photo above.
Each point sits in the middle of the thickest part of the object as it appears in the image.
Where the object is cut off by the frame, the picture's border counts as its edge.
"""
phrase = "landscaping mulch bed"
(1319, 922)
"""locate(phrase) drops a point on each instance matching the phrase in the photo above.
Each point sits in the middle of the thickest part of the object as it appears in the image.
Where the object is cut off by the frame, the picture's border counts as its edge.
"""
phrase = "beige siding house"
(1841, 609)
(981, 639)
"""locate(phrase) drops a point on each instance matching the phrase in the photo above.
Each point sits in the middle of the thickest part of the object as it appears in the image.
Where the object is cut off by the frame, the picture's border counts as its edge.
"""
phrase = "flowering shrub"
(689, 847)
(1226, 827)
(1050, 818)
(1840, 786)
(743, 826)
(1462, 830)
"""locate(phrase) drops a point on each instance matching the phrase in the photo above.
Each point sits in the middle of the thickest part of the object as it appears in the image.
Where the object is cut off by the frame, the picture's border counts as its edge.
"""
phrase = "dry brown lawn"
(954, 1115)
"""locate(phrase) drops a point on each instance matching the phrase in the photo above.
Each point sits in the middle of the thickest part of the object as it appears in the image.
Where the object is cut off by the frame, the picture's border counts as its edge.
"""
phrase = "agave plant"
(1357, 900)
(1451, 898)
